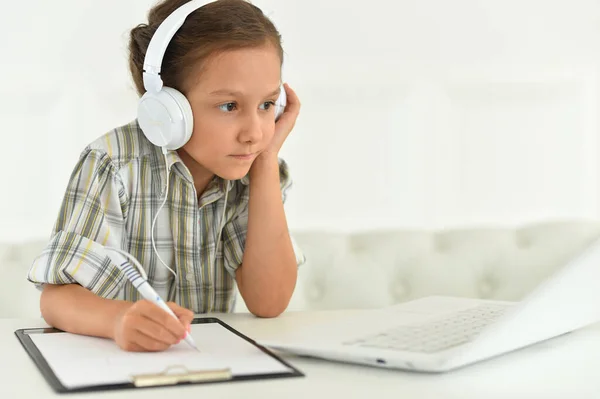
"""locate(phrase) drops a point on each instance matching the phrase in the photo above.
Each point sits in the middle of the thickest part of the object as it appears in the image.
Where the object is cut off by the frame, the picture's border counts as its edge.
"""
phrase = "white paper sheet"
(80, 361)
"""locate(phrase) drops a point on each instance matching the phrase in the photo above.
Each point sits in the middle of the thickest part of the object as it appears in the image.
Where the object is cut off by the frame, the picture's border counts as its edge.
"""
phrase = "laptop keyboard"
(437, 335)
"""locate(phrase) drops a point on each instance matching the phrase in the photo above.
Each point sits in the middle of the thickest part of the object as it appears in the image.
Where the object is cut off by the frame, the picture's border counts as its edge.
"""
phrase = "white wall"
(421, 113)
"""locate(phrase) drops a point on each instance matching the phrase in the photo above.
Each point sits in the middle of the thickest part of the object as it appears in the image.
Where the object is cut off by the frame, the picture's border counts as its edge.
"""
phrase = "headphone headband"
(160, 40)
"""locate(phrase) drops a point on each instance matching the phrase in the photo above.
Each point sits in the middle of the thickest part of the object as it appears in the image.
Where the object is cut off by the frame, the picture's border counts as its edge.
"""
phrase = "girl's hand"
(285, 124)
(144, 327)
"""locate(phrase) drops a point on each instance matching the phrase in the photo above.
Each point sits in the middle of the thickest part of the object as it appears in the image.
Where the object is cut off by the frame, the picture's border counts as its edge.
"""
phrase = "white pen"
(147, 292)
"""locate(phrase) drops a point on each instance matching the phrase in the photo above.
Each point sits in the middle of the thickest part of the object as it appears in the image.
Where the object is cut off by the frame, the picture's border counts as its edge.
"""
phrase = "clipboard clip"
(179, 374)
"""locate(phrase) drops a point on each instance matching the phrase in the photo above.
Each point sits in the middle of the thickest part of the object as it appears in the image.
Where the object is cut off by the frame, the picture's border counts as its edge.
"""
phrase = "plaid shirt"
(111, 199)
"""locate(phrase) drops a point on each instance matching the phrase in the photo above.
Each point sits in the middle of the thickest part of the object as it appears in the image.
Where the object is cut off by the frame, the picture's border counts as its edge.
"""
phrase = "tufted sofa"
(371, 269)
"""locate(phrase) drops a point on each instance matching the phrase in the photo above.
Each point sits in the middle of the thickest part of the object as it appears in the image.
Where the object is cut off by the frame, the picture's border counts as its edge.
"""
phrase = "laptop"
(438, 333)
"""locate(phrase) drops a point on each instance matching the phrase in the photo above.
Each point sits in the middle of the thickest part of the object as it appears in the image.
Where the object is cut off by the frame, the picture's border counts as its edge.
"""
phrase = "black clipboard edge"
(23, 335)
(295, 372)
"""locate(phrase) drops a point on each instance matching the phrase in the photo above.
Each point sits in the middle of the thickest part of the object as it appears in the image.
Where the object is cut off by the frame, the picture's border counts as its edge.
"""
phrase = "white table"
(568, 366)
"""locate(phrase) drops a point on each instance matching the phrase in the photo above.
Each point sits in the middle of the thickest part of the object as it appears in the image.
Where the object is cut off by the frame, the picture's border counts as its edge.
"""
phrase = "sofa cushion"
(370, 269)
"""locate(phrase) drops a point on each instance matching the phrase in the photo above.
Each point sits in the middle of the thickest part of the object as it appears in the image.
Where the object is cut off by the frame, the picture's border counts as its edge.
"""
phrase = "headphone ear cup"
(280, 103)
(166, 118)
(184, 108)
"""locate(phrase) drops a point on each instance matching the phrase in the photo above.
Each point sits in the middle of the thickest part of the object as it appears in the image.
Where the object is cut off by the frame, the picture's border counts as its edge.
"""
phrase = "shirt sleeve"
(236, 228)
(91, 217)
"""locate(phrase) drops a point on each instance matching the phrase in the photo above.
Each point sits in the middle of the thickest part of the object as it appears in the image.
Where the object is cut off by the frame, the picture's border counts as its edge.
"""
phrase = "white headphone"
(164, 114)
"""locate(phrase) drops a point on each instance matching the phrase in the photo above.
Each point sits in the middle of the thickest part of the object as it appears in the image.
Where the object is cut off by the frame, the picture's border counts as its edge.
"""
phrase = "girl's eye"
(267, 105)
(229, 107)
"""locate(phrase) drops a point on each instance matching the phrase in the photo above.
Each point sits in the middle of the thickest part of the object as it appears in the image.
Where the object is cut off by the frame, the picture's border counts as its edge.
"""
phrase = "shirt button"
(189, 277)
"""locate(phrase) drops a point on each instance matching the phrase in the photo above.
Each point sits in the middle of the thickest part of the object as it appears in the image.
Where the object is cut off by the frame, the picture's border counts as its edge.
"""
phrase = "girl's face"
(232, 101)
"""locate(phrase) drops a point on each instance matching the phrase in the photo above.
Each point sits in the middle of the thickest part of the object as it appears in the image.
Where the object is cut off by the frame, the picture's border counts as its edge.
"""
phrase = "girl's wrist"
(264, 163)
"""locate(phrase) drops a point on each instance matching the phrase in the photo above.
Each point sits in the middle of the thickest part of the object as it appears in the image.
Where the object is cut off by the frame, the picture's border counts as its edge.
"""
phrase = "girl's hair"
(216, 27)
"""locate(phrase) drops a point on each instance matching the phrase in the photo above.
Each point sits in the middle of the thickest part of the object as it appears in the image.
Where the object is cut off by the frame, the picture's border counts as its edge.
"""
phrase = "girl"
(223, 192)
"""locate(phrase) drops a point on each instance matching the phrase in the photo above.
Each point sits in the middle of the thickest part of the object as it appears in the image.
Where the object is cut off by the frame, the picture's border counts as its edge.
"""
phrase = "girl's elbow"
(50, 301)
(267, 312)
(268, 307)
(46, 302)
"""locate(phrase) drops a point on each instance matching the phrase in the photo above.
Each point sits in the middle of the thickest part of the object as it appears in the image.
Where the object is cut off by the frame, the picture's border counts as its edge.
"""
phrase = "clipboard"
(174, 375)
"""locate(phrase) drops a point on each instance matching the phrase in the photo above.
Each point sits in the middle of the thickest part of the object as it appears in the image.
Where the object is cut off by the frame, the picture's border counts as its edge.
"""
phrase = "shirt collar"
(216, 185)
